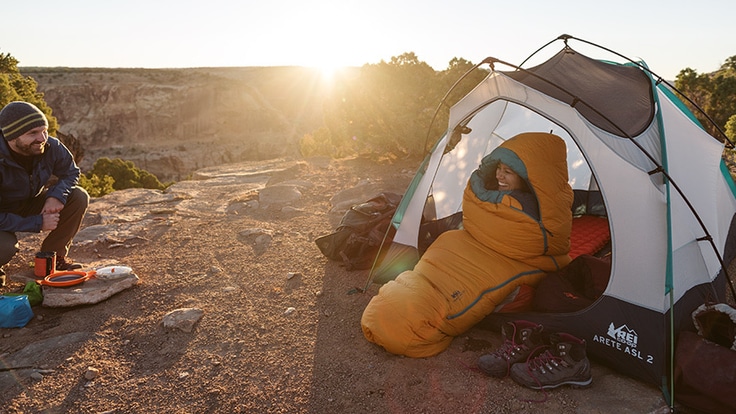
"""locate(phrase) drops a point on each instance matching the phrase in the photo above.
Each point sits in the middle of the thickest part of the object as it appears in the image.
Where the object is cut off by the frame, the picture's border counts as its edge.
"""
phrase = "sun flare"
(327, 72)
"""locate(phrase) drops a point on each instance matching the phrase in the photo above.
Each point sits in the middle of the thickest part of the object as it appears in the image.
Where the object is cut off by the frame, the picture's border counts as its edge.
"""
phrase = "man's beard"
(30, 149)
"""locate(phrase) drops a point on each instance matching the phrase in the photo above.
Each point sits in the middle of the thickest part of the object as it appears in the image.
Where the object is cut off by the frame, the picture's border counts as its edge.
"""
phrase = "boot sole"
(572, 384)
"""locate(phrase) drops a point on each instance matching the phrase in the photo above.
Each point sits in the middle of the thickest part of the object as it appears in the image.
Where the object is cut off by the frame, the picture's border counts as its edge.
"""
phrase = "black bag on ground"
(361, 231)
(573, 287)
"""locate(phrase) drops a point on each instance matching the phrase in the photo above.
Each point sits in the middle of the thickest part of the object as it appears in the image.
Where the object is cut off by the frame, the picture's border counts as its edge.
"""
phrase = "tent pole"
(671, 374)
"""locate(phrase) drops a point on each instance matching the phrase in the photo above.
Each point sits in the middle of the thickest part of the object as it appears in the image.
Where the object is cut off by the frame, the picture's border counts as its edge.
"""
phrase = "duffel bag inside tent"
(641, 161)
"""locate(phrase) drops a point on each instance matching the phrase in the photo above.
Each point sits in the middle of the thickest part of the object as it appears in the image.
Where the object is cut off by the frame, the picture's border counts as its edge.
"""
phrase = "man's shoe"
(520, 340)
(564, 363)
(65, 264)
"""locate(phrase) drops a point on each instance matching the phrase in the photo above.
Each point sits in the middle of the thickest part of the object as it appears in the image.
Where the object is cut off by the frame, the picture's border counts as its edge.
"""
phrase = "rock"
(260, 239)
(182, 319)
(37, 351)
(279, 194)
(261, 243)
(237, 208)
(290, 210)
(91, 373)
(321, 162)
(303, 184)
(87, 293)
(250, 235)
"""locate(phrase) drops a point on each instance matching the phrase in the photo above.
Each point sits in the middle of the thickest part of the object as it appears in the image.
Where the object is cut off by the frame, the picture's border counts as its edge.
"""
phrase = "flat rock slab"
(87, 293)
(21, 364)
(279, 194)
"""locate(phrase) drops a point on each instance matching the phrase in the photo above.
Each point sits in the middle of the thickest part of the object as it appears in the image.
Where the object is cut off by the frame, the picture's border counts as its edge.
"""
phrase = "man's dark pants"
(58, 240)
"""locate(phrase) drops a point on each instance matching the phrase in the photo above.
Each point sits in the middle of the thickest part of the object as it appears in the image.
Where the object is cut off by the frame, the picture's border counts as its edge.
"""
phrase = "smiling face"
(507, 179)
(31, 143)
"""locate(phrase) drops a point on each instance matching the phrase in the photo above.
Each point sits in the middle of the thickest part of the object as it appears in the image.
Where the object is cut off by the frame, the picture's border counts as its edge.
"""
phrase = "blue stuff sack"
(15, 311)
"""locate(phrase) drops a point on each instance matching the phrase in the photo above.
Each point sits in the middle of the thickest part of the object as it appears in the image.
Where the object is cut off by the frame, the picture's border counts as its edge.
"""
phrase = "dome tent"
(669, 198)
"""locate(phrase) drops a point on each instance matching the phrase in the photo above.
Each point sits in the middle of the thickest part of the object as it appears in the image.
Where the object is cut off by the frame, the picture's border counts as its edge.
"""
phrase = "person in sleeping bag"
(506, 179)
(517, 220)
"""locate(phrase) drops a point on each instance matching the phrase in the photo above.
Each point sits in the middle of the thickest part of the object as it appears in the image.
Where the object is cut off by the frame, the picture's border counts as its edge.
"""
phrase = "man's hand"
(50, 221)
(51, 206)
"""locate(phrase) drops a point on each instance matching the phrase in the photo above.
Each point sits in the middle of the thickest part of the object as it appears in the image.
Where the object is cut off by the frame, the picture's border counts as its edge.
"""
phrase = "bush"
(96, 186)
(322, 143)
(109, 175)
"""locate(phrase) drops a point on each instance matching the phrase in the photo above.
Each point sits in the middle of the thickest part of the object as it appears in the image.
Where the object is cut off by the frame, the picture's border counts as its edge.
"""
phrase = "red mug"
(44, 264)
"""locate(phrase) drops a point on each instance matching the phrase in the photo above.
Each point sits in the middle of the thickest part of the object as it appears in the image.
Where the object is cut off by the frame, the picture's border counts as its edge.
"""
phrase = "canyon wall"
(171, 122)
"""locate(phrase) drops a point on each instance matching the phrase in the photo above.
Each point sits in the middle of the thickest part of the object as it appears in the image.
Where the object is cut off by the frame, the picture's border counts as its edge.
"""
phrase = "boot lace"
(546, 362)
(510, 348)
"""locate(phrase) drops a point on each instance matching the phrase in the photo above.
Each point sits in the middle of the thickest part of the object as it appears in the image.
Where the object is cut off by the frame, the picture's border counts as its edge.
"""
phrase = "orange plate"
(63, 279)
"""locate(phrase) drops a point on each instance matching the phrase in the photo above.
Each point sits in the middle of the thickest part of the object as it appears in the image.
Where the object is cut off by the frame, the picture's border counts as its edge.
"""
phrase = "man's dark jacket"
(17, 187)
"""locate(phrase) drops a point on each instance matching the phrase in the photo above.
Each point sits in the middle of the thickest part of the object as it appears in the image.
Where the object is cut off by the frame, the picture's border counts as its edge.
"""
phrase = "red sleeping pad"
(589, 235)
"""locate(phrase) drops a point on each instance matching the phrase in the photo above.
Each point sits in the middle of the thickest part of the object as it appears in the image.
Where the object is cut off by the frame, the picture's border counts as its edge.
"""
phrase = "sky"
(667, 35)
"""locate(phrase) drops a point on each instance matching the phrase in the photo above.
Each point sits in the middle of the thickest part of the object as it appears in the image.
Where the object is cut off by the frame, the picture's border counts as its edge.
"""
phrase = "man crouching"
(28, 159)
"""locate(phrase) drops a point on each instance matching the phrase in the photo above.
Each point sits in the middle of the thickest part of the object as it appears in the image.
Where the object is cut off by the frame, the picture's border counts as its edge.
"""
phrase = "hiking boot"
(65, 264)
(520, 340)
(563, 363)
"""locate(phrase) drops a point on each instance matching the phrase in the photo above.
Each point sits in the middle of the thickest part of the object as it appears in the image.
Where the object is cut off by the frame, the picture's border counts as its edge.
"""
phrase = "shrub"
(96, 186)
(108, 175)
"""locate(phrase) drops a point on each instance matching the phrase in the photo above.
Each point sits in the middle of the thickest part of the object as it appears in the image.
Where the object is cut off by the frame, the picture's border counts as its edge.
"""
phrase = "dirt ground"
(248, 353)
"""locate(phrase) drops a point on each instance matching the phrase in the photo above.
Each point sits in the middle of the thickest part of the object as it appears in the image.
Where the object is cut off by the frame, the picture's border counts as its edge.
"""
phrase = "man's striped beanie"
(17, 118)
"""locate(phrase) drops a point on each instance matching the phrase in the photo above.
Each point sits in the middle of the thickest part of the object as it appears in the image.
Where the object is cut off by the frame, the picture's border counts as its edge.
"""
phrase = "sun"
(328, 72)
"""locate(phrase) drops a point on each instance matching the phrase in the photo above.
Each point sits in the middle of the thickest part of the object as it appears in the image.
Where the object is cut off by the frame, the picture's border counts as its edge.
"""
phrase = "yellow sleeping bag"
(508, 239)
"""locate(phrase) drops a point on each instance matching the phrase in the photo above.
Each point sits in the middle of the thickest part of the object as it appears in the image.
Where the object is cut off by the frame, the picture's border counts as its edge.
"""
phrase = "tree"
(731, 128)
(456, 69)
(16, 87)
(456, 81)
(386, 108)
(714, 93)
(730, 64)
